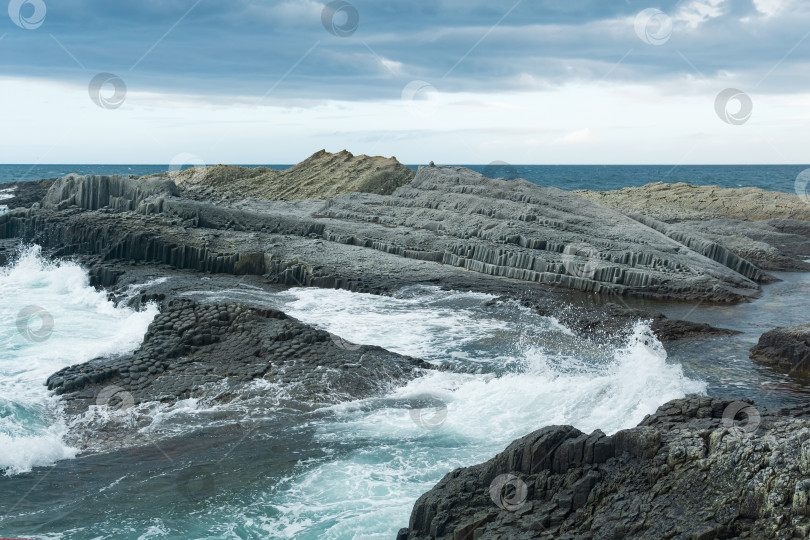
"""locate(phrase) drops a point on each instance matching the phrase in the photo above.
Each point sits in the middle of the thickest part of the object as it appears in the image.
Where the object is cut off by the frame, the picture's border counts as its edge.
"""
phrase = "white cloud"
(769, 8)
(288, 13)
(575, 137)
(631, 124)
(696, 12)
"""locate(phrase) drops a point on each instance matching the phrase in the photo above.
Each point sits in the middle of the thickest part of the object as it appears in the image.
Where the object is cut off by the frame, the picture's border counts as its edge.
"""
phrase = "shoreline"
(447, 227)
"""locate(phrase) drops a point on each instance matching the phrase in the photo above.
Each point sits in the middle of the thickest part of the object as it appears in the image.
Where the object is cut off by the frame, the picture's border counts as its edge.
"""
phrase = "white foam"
(85, 326)
(374, 488)
(424, 322)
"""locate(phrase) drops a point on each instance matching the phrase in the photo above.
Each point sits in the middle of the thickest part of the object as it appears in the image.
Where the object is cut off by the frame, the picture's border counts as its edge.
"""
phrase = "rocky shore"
(697, 468)
(370, 224)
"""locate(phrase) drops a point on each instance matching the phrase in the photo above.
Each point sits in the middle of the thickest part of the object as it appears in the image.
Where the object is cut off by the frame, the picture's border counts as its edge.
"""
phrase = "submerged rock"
(697, 468)
(787, 348)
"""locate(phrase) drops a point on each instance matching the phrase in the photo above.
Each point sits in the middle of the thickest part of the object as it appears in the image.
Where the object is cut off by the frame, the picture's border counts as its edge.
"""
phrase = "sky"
(452, 81)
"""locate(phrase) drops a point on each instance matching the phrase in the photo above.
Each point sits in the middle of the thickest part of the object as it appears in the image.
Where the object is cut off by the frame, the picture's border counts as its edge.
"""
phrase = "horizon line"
(259, 164)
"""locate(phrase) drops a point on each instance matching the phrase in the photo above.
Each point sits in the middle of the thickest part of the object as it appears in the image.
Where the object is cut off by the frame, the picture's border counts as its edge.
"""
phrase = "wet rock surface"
(25, 194)
(190, 345)
(787, 348)
(689, 471)
(697, 468)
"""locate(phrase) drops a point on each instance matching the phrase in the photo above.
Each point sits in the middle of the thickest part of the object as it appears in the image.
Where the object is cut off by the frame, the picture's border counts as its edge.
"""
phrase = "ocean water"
(50, 318)
(261, 466)
(567, 177)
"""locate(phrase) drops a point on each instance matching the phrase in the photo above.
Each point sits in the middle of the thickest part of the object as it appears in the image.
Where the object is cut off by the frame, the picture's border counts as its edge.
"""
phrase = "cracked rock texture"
(691, 470)
(191, 344)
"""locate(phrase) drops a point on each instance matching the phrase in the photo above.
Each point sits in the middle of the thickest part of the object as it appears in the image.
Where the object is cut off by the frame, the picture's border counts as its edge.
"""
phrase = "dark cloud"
(244, 48)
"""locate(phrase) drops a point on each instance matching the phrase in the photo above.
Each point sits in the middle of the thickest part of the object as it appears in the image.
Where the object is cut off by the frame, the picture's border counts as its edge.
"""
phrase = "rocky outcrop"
(787, 348)
(684, 202)
(24, 194)
(768, 229)
(320, 176)
(697, 468)
(710, 249)
(113, 192)
(190, 344)
(447, 222)
(517, 230)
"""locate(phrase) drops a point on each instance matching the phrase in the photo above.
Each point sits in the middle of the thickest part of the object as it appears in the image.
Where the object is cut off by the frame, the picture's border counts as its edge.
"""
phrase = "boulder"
(786, 347)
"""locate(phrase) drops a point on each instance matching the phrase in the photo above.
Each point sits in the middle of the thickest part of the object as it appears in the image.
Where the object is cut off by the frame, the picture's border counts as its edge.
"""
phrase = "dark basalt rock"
(190, 345)
(688, 471)
(787, 348)
(25, 194)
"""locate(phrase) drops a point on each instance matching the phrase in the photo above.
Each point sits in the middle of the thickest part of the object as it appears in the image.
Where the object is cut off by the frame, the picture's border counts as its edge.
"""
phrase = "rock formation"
(448, 221)
(767, 228)
(692, 470)
(320, 176)
(697, 468)
(787, 348)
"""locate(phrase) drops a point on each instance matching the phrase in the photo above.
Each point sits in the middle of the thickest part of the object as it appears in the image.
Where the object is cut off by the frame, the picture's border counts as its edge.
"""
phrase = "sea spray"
(521, 389)
(82, 325)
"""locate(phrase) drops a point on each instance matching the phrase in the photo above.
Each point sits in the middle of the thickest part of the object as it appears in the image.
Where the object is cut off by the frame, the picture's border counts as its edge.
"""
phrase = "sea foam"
(85, 325)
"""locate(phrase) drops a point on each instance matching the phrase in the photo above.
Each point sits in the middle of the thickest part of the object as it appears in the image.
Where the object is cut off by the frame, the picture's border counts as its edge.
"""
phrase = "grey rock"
(447, 220)
(190, 344)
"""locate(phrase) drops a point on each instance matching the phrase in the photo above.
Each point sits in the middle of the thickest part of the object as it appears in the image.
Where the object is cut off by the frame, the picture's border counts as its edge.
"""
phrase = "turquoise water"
(568, 177)
(263, 467)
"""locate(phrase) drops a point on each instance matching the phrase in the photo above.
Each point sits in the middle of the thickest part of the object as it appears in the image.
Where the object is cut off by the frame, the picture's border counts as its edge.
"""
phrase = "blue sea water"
(568, 177)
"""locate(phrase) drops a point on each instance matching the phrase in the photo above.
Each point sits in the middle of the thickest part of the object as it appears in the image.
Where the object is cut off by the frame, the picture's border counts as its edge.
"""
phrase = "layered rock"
(448, 220)
(113, 192)
(697, 468)
(684, 202)
(320, 176)
(787, 348)
(766, 228)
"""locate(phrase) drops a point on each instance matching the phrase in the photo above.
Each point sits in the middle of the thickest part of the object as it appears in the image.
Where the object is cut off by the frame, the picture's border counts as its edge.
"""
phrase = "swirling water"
(257, 467)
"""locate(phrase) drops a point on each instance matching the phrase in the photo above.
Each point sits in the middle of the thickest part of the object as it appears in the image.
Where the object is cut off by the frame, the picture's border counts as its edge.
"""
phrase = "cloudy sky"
(454, 81)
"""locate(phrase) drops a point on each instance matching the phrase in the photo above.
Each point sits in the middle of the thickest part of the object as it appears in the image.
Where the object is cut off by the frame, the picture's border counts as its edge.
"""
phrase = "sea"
(256, 468)
(567, 177)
